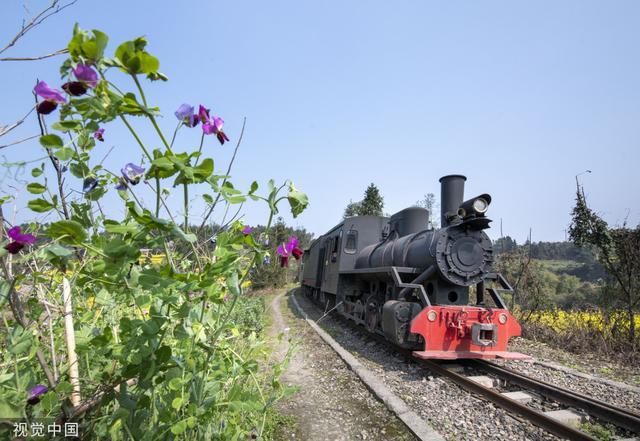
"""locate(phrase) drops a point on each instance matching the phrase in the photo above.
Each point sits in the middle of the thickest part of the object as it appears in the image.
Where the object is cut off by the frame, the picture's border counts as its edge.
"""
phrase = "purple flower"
(247, 230)
(98, 134)
(89, 184)
(51, 97)
(87, 78)
(122, 185)
(186, 115)
(35, 393)
(86, 74)
(75, 88)
(132, 173)
(287, 249)
(19, 240)
(266, 260)
(212, 125)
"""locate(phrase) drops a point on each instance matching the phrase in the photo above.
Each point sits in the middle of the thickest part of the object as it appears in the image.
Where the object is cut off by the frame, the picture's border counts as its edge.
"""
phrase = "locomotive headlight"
(431, 316)
(502, 318)
(480, 205)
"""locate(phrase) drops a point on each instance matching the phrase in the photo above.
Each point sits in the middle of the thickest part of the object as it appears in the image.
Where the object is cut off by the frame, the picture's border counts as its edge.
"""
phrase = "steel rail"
(618, 416)
(532, 415)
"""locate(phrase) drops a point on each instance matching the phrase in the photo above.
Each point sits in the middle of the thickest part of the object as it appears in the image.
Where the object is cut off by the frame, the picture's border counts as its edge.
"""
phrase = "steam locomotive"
(429, 290)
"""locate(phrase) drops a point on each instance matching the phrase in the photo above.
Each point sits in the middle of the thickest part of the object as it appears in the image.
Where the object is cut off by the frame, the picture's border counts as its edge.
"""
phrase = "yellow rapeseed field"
(563, 321)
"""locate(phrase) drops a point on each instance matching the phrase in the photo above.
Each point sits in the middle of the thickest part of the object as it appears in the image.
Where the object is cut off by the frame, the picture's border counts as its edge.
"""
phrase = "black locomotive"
(411, 283)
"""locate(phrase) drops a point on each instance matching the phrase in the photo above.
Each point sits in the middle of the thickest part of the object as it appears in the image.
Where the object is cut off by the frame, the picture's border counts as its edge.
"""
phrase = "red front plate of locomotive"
(453, 332)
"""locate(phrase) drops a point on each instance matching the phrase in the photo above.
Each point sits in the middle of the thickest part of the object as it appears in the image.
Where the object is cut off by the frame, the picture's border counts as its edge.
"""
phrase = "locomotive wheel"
(372, 315)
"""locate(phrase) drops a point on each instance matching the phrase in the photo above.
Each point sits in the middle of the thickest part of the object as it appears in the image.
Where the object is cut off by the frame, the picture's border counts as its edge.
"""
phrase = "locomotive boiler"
(426, 289)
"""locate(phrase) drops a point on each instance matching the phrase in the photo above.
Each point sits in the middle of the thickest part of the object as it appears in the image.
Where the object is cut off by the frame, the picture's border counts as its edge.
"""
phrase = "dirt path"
(332, 403)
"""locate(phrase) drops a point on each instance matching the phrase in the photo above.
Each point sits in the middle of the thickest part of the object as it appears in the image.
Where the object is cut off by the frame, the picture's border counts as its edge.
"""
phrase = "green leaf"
(297, 200)
(36, 188)
(204, 170)
(67, 125)
(179, 427)
(207, 198)
(187, 237)
(51, 141)
(148, 63)
(37, 171)
(122, 228)
(67, 231)
(21, 340)
(79, 170)
(64, 154)
(58, 250)
(40, 205)
(176, 403)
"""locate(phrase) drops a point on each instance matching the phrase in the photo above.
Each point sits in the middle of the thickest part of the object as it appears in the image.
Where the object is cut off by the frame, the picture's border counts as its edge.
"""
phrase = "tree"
(617, 249)
(353, 208)
(429, 202)
(371, 205)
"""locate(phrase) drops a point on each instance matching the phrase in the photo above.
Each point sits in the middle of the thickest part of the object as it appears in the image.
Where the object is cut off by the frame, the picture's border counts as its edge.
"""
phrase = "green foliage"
(371, 205)
(617, 250)
(271, 274)
(173, 346)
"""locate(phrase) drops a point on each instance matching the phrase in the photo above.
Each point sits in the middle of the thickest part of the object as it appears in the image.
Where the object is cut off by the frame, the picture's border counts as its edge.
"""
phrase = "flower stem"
(186, 208)
(199, 149)
(135, 135)
(151, 117)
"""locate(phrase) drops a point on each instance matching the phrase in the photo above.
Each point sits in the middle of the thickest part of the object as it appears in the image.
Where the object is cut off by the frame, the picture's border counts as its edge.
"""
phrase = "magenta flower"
(247, 230)
(186, 115)
(87, 78)
(132, 173)
(51, 97)
(289, 249)
(35, 393)
(98, 134)
(19, 240)
(212, 125)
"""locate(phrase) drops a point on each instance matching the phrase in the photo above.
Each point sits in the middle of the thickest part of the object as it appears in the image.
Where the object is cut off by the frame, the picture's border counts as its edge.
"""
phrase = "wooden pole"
(70, 338)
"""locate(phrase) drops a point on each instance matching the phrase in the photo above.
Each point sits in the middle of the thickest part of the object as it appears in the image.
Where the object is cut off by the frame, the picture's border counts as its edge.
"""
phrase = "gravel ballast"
(453, 412)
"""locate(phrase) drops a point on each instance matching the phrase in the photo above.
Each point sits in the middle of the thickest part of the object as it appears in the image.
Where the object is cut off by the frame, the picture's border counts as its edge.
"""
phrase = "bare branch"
(233, 158)
(18, 141)
(41, 57)
(6, 129)
(53, 8)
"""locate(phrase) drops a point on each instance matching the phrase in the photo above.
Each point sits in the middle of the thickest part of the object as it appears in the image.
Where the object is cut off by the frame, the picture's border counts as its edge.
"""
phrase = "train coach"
(429, 290)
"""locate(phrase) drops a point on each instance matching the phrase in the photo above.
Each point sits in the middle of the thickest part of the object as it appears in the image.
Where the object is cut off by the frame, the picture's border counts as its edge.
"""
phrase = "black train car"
(411, 283)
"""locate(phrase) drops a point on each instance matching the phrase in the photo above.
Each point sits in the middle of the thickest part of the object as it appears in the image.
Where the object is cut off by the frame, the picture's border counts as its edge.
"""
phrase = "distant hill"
(558, 257)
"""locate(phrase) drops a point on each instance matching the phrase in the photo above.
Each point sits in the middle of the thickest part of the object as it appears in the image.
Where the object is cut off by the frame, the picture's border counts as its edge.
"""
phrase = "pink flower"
(19, 240)
(212, 125)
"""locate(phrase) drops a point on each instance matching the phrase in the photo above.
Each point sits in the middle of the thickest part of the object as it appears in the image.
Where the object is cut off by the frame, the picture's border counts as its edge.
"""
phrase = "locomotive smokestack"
(451, 196)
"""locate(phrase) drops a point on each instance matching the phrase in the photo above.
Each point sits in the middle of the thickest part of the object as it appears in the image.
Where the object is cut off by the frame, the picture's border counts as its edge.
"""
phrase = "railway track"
(603, 411)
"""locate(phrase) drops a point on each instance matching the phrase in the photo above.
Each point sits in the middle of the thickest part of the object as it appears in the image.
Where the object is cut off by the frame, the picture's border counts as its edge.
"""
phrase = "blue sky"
(520, 97)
